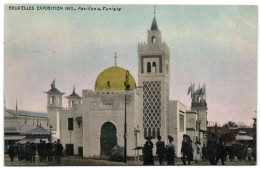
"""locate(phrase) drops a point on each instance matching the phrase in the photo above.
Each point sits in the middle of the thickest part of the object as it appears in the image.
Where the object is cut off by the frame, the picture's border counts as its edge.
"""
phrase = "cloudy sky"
(216, 45)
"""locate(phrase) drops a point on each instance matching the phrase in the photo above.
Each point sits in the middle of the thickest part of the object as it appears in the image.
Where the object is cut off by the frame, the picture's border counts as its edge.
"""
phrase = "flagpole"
(205, 93)
(191, 90)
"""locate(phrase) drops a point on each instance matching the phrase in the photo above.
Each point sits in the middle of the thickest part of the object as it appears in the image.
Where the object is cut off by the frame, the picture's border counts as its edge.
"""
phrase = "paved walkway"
(78, 161)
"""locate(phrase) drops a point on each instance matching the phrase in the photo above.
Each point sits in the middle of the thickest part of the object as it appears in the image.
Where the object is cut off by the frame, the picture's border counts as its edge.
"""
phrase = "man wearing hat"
(184, 149)
(160, 149)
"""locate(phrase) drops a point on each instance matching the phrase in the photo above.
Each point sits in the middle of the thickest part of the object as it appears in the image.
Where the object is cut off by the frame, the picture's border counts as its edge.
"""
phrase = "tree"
(230, 124)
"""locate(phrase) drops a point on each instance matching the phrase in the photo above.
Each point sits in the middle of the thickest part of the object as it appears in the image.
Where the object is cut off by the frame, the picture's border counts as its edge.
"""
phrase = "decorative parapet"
(203, 104)
(143, 47)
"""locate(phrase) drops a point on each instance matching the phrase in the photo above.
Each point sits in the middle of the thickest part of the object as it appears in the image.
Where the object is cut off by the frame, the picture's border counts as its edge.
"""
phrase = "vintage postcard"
(110, 84)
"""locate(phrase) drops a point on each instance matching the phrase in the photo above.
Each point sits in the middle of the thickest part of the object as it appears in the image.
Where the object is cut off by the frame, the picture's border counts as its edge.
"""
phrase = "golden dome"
(113, 79)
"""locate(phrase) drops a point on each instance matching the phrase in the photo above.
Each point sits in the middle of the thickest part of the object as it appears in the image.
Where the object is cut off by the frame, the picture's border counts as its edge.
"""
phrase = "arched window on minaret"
(153, 39)
(148, 67)
(154, 67)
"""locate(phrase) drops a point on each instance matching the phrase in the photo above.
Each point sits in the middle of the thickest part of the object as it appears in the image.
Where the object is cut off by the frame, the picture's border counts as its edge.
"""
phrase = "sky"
(215, 45)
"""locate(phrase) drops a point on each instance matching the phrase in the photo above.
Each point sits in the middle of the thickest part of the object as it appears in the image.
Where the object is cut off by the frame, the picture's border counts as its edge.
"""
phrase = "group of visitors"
(213, 152)
(188, 153)
(46, 151)
(164, 152)
(220, 151)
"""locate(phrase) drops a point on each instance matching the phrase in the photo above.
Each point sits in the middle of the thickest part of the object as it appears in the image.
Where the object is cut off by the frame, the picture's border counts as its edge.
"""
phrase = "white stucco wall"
(175, 109)
(74, 136)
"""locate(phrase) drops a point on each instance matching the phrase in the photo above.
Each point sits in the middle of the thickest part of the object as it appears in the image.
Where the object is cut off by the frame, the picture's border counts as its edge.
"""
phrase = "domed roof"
(113, 79)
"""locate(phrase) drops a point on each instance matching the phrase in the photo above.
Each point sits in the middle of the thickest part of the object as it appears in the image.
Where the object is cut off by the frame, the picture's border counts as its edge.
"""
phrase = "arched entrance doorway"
(108, 138)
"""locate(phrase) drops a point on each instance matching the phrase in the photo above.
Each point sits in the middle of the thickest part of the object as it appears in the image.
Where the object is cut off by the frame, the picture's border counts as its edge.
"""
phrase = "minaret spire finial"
(115, 59)
(154, 12)
(74, 88)
(53, 84)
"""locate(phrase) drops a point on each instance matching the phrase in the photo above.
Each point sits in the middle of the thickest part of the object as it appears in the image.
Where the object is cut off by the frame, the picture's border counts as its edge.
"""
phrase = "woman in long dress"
(170, 151)
(148, 152)
(197, 152)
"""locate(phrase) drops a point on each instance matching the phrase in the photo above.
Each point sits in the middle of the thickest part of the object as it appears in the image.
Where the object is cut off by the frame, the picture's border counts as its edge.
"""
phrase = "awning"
(37, 140)
(14, 137)
(244, 137)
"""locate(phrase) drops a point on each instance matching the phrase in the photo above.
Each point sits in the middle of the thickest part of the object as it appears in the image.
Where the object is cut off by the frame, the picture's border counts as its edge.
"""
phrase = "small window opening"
(148, 67)
(153, 39)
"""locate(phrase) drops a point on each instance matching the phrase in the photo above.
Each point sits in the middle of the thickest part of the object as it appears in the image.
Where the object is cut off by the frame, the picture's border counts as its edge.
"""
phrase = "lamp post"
(127, 87)
(51, 132)
(198, 122)
(136, 131)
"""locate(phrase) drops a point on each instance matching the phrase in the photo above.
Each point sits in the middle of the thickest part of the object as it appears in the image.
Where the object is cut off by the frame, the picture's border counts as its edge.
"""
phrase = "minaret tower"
(73, 99)
(54, 105)
(199, 104)
(153, 76)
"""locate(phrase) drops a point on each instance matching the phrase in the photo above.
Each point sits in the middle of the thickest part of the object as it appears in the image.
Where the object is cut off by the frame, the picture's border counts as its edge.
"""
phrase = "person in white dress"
(197, 152)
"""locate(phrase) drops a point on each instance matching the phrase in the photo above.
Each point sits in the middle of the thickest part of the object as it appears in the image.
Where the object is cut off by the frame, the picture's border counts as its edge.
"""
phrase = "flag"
(193, 87)
(201, 90)
(189, 90)
(204, 88)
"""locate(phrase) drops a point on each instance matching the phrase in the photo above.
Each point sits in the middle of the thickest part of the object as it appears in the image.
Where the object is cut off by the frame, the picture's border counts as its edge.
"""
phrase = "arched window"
(153, 39)
(154, 67)
(153, 133)
(148, 67)
(51, 100)
(149, 132)
(145, 133)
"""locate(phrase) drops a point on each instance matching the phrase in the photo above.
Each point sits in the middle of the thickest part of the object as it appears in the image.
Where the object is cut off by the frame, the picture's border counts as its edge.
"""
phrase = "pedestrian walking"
(44, 150)
(148, 152)
(204, 152)
(244, 153)
(160, 150)
(184, 149)
(249, 153)
(27, 152)
(49, 150)
(197, 152)
(11, 152)
(254, 152)
(220, 152)
(190, 153)
(33, 152)
(19, 151)
(231, 153)
(170, 151)
(40, 151)
(55, 150)
(59, 151)
(225, 151)
(211, 151)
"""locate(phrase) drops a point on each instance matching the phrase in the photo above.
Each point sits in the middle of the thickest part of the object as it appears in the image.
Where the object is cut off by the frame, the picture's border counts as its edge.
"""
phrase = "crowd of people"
(27, 151)
(213, 152)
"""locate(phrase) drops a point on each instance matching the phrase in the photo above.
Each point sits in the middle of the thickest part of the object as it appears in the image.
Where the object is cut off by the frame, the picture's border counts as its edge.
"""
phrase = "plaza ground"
(79, 161)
